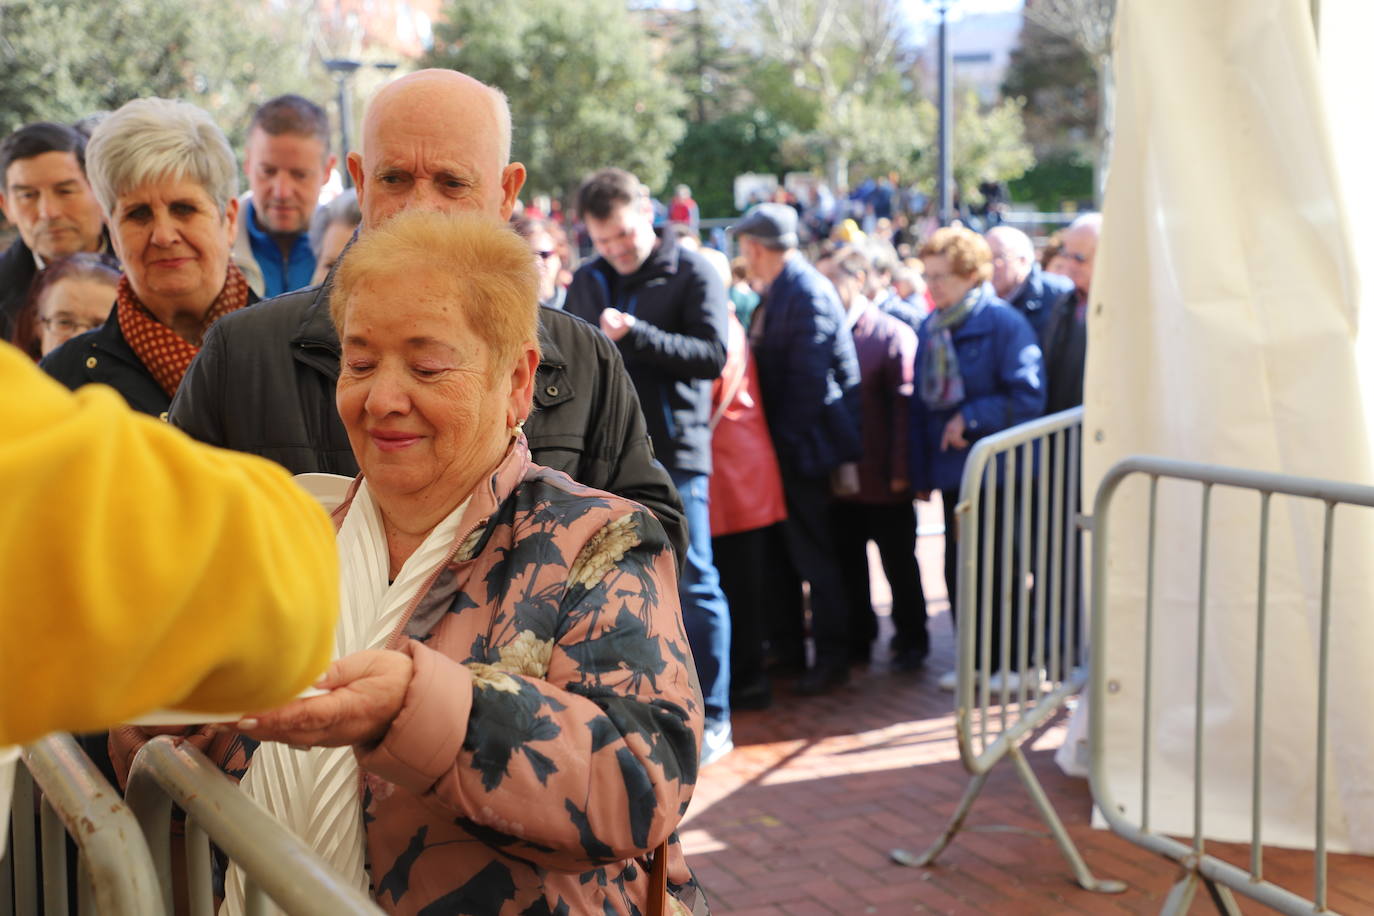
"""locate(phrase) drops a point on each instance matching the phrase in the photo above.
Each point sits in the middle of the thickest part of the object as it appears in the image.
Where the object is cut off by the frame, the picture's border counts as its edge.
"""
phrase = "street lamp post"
(945, 180)
(342, 70)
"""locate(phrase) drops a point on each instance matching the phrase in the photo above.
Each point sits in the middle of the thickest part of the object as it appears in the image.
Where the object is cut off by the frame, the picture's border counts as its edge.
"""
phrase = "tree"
(713, 152)
(1059, 84)
(583, 90)
(1089, 24)
(61, 60)
(989, 144)
(845, 55)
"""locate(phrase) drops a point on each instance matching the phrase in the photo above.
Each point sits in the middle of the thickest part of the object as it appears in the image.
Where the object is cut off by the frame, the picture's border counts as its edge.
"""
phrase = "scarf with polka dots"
(161, 350)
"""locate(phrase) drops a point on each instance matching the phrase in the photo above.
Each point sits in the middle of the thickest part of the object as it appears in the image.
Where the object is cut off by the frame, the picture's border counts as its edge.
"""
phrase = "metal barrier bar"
(990, 492)
(1147, 739)
(114, 870)
(1219, 878)
(1199, 706)
(1323, 685)
(1261, 619)
(275, 862)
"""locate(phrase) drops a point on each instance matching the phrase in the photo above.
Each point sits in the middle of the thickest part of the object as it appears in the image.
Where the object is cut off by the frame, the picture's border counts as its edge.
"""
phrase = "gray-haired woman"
(166, 180)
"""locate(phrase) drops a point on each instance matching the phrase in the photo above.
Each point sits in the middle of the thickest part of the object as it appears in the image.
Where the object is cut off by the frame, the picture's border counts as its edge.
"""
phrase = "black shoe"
(908, 660)
(754, 695)
(785, 661)
(821, 680)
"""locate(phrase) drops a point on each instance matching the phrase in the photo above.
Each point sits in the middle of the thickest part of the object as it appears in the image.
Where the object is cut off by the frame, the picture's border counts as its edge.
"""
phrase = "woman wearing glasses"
(70, 297)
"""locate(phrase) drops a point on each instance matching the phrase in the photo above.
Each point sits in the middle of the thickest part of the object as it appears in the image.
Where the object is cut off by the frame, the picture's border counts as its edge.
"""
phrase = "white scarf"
(315, 792)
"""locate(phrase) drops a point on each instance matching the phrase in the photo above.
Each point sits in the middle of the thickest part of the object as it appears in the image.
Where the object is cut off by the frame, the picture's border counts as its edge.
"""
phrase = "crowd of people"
(589, 508)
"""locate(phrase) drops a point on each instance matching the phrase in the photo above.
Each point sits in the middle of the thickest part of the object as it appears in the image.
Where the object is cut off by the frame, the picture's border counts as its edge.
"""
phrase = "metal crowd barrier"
(275, 863)
(1025, 477)
(115, 872)
(1217, 877)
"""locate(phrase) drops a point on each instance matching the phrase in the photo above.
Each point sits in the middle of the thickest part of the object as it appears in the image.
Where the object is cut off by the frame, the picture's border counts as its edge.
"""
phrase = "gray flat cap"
(775, 225)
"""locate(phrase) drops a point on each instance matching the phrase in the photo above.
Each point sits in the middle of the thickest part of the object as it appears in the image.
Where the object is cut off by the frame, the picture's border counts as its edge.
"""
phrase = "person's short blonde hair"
(488, 268)
(967, 251)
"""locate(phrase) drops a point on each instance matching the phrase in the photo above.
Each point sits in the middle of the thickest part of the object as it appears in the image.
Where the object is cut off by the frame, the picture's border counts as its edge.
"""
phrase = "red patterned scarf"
(157, 346)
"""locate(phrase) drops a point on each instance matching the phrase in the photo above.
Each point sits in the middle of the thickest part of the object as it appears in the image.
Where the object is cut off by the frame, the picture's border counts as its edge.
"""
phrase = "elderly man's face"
(1079, 252)
(432, 142)
(48, 199)
(1009, 269)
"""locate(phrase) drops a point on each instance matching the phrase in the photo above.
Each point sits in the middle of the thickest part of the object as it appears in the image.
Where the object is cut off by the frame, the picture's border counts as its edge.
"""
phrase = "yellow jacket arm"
(140, 569)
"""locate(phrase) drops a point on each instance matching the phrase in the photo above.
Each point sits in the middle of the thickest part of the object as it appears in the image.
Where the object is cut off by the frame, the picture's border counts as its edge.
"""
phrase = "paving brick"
(801, 818)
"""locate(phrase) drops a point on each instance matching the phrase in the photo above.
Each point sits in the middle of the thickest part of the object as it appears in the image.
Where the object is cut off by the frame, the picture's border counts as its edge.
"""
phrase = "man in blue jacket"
(1019, 281)
(665, 308)
(809, 378)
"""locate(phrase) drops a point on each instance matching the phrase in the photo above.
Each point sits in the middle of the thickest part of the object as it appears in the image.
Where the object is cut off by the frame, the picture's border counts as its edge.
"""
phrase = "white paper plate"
(166, 718)
(329, 489)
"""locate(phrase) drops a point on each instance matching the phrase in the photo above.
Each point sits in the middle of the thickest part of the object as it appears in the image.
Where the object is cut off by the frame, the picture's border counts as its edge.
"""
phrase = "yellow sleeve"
(140, 569)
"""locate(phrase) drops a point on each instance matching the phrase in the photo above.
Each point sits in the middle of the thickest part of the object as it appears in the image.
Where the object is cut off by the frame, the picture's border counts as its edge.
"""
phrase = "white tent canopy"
(1225, 328)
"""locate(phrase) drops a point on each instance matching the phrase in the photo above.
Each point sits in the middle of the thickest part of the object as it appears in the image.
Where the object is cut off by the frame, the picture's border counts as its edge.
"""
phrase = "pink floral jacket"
(549, 737)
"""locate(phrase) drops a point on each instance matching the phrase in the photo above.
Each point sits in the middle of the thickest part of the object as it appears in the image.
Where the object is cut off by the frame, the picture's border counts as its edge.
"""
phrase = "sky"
(922, 11)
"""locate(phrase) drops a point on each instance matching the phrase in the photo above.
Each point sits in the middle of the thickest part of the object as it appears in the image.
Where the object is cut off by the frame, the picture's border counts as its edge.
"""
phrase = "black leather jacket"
(103, 357)
(17, 270)
(264, 383)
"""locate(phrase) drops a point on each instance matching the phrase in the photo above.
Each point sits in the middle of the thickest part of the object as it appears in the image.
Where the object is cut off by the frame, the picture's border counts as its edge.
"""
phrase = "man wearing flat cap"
(809, 378)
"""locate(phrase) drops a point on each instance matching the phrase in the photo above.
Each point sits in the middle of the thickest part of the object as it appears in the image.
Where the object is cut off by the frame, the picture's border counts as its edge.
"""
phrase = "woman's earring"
(517, 429)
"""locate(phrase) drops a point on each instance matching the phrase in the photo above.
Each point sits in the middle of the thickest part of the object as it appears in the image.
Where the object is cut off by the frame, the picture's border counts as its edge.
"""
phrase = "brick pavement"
(800, 819)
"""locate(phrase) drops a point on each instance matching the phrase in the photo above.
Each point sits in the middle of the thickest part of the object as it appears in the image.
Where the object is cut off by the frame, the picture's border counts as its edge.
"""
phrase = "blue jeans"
(705, 613)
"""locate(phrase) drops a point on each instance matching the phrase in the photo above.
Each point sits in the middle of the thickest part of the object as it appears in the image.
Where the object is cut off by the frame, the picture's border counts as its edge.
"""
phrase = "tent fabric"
(1224, 328)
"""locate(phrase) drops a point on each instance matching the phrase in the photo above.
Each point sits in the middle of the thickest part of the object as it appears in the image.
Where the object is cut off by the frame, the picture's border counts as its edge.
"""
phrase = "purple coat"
(887, 367)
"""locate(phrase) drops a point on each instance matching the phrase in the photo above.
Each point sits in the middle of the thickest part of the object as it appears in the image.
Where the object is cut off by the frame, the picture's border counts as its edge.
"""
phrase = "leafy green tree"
(842, 54)
(1090, 25)
(61, 60)
(582, 87)
(713, 152)
(989, 144)
(1059, 83)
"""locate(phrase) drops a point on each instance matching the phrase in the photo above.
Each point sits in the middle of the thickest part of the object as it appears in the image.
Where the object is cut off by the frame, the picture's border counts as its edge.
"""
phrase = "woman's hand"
(366, 691)
(954, 434)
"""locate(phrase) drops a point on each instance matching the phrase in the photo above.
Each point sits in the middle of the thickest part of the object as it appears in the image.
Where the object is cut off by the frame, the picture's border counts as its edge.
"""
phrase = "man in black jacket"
(44, 192)
(1064, 334)
(264, 381)
(664, 306)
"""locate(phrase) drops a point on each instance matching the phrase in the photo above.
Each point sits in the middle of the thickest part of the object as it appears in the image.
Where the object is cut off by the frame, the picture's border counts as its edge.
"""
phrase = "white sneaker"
(1010, 678)
(717, 740)
(949, 680)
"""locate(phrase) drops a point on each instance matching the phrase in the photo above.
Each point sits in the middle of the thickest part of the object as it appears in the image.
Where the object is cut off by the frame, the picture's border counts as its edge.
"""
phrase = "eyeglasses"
(65, 324)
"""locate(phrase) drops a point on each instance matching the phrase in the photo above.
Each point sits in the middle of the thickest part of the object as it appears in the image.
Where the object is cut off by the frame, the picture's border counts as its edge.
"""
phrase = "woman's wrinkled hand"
(366, 692)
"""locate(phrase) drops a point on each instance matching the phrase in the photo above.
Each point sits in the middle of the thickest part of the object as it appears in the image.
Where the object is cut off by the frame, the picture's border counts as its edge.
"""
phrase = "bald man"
(1017, 278)
(264, 383)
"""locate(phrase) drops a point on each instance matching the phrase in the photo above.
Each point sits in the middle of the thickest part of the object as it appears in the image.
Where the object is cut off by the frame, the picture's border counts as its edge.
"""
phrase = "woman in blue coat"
(978, 372)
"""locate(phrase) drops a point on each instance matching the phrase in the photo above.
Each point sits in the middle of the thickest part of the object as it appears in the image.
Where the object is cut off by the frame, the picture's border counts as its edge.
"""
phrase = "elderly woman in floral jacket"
(513, 682)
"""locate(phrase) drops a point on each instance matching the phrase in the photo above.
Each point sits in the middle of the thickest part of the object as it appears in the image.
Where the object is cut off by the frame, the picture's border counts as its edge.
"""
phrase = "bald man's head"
(1012, 257)
(435, 140)
(1080, 249)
